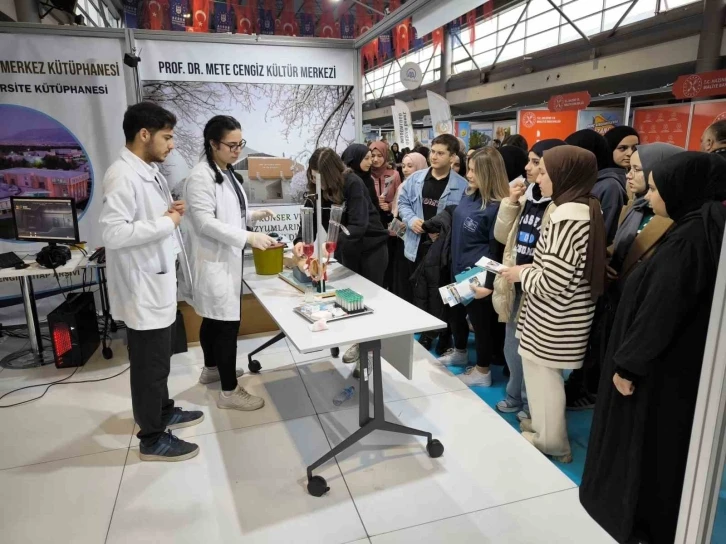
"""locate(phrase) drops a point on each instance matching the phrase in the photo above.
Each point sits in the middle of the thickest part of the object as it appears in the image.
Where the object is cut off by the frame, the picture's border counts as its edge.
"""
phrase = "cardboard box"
(270, 168)
(255, 319)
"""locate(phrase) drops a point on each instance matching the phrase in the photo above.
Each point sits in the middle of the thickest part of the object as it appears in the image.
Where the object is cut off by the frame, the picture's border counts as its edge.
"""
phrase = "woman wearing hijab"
(560, 290)
(359, 159)
(638, 449)
(519, 223)
(515, 161)
(639, 234)
(622, 141)
(610, 186)
(386, 181)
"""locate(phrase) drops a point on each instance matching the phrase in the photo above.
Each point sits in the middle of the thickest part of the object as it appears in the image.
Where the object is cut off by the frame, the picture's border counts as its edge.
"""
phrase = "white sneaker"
(352, 354)
(455, 357)
(472, 377)
(211, 375)
(239, 399)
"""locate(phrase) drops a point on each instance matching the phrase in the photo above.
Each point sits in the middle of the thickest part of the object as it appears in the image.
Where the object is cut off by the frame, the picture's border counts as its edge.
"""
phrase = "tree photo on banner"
(287, 107)
(62, 101)
(668, 124)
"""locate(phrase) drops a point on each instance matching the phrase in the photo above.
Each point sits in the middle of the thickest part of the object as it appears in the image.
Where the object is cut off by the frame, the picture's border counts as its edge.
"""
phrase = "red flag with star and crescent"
(245, 17)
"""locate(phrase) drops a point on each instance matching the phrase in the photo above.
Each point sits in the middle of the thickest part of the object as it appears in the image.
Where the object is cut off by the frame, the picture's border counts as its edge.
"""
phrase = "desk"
(25, 277)
(387, 331)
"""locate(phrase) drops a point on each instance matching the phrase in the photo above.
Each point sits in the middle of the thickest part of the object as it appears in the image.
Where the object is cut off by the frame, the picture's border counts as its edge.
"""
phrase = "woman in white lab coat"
(216, 233)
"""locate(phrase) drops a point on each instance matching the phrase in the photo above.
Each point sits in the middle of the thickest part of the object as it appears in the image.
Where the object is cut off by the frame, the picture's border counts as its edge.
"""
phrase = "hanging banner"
(402, 125)
(698, 85)
(569, 102)
(131, 18)
(704, 115)
(168, 61)
(537, 125)
(223, 19)
(62, 101)
(441, 118)
(463, 131)
(179, 11)
(600, 120)
(667, 124)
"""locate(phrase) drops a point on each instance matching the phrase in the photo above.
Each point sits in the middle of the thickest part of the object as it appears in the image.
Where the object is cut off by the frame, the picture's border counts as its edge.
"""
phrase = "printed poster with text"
(538, 125)
(62, 101)
(668, 124)
(704, 115)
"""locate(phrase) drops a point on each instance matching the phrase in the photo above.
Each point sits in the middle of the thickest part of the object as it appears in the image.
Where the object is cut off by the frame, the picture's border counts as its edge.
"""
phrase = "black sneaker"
(182, 418)
(426, 341)
(586, 401)
(168, 448)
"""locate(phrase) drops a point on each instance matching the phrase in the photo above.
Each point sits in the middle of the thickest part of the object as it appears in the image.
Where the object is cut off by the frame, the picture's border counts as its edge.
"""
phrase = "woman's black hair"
(214, 131)
(463, 165)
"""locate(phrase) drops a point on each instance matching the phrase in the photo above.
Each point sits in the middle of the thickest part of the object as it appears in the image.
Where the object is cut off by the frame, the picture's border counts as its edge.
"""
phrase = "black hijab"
(614, 136)
(352, 157)
(593, 142)
(515, 159)
(545, 145)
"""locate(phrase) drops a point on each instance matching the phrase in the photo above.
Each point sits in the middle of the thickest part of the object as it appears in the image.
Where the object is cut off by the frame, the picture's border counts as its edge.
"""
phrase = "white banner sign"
(286, 223)
(402, 126)
(243, 63)
(441, 118)
(62, 101)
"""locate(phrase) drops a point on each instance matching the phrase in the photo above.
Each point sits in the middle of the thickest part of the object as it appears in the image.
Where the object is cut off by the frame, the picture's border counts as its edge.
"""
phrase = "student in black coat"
(358, 158)
(638, 449)
(364, 250)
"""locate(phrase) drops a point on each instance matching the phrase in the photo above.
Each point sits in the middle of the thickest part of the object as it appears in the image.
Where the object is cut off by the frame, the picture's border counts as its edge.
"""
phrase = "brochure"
(460, 292)
(490, 265)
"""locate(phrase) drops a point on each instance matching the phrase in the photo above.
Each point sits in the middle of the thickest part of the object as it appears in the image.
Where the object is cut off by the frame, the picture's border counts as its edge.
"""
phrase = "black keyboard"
(9, 260)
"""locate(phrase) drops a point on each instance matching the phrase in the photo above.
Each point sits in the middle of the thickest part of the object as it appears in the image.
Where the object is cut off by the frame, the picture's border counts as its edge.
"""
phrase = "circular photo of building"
(40, 158)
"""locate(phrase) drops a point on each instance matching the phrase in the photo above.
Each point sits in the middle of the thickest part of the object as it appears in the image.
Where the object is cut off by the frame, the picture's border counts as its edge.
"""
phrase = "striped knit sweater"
(557, 312)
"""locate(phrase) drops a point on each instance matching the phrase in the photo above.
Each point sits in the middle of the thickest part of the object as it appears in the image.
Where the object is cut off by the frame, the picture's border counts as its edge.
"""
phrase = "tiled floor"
(70, 471)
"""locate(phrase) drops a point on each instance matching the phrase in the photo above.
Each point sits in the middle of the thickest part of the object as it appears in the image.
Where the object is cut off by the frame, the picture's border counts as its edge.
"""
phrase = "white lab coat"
(214, 235)
(141, 244)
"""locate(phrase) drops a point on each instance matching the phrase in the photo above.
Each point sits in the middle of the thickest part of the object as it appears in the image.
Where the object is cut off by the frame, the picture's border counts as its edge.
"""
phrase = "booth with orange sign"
(667, 124)
(537, 125)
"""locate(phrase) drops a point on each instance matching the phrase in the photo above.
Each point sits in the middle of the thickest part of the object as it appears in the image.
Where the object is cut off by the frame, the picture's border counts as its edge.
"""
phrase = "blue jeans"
(516, 390)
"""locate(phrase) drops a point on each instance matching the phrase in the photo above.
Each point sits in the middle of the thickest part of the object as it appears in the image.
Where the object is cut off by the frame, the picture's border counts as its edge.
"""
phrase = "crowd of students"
(610, 252)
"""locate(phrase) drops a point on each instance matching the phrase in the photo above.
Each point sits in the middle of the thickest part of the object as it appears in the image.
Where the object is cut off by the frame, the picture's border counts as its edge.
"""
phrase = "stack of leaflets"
(461, 291)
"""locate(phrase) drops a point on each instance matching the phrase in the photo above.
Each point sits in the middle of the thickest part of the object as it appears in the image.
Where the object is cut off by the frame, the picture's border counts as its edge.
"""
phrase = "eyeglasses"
(236, 145)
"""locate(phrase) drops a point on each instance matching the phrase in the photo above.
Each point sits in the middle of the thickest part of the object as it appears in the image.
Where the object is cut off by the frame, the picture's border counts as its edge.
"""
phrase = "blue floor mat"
(578, 423)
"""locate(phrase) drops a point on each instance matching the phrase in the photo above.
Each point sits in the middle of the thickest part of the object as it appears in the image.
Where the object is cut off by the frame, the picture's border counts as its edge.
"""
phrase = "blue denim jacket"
(410, 205)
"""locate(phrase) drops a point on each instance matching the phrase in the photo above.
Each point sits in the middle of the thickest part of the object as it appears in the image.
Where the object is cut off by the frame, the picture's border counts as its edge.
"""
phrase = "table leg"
(31, 317)
(317, 486)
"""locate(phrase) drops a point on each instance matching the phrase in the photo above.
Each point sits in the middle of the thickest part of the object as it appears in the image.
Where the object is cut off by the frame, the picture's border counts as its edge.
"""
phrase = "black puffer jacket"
(434, 271)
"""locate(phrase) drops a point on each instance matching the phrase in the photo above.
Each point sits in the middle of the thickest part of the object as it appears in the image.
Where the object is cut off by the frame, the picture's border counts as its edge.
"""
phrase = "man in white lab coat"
(139, 222)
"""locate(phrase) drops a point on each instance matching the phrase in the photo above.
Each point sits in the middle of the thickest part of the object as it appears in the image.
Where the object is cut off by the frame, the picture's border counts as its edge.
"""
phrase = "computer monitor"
(51, 220)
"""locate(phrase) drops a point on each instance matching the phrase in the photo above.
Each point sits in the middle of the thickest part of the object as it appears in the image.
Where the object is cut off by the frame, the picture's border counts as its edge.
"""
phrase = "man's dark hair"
(497, 143)
(718, 129)
(149, 116)
(516, 140)
(451, 142)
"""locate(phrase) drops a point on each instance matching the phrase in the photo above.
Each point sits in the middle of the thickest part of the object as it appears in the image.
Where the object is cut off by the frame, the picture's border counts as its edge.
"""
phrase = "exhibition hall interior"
(363, 271)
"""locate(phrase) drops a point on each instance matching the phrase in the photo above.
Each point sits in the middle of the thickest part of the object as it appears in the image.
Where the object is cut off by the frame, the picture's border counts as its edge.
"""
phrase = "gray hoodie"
(610, 191)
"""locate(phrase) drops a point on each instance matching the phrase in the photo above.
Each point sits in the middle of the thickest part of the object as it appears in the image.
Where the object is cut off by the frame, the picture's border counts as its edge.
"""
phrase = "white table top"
(37, 271)
(392, 316)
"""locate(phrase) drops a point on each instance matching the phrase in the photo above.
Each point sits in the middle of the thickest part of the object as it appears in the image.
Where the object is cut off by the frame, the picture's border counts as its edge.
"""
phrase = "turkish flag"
(363, 18)
(200, 15)
(438, 38)
(326, 25)
(286, 24)
(394, 5)
(402, 38)
(154, 14)
(471, 23)
(245, 18)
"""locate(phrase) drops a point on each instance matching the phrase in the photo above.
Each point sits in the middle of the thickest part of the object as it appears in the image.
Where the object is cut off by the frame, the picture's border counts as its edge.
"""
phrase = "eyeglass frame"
(232, 147)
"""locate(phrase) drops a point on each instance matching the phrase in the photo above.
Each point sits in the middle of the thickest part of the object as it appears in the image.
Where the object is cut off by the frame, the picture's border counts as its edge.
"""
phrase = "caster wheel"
(114, 327)
(317, 486)
(435, 449)
(107, 353)
(255, 367)
(335, 352)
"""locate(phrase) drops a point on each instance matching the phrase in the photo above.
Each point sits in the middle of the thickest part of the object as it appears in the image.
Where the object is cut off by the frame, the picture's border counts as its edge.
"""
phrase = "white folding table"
(387, 332)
